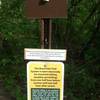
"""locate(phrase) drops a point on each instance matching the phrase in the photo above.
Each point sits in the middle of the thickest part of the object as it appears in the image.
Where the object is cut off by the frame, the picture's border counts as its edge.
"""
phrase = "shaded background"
(79, 33)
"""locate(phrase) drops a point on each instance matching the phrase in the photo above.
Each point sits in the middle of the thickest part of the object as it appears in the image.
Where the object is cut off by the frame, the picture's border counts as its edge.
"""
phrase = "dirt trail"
(3, 93)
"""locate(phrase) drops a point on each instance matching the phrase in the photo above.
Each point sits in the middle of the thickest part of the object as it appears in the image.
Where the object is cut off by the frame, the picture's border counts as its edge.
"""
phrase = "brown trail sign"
(42, 9)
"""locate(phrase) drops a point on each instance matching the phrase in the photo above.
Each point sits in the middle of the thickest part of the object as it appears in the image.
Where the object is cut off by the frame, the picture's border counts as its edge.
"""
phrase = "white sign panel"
(45, 54)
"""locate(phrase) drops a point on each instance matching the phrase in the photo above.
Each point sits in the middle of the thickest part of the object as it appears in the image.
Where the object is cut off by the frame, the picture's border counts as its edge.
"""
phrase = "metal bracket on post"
(46, 27)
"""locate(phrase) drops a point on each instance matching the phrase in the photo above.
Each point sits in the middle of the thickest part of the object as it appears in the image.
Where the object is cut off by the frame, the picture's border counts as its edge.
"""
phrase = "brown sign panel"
(46, 8)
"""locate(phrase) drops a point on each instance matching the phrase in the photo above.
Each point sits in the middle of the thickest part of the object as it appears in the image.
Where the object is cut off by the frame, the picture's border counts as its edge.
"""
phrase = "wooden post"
(46, 29)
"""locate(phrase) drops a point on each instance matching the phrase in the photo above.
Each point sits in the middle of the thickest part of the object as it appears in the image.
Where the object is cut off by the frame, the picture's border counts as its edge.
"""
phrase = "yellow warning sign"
(45, 80)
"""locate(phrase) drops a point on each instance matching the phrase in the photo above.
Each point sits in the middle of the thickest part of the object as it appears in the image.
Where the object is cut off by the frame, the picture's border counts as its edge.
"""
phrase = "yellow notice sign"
(45, 80)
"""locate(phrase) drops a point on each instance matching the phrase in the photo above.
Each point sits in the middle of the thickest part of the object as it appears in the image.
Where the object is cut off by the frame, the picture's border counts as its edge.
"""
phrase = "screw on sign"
(46, 0)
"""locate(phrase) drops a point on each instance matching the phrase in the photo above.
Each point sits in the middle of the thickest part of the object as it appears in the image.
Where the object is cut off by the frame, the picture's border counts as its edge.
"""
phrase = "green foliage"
(80, 85)
(78, 33)
(18, 33)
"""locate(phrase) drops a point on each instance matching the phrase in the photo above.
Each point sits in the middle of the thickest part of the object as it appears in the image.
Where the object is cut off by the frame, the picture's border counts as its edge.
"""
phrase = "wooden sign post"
(45, 75)
(45, 10)
(46, 30)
